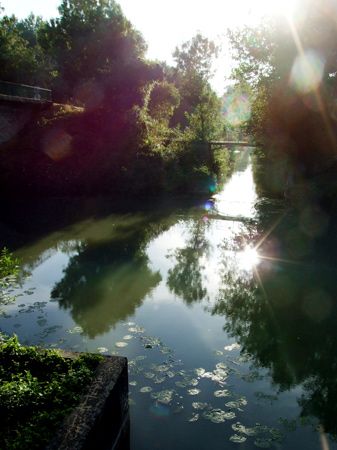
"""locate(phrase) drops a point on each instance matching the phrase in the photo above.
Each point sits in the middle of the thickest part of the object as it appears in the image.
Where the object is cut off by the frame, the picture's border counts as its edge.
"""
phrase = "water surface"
(226, 310)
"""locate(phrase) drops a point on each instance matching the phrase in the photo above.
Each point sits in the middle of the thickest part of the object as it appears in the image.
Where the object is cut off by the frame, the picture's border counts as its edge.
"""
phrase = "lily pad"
(239, 428)
(75, 330)
(161, 367)
(215, 415)
(193, 391)
(102, 349)
(237, 404)
(136, 329)
(149, 375)
(157, 379)
(145, 389)
(237, 439)
(222, 393)
(199, 405)
(127, 337)
(121, 344)
(230, 348)
(164, 396)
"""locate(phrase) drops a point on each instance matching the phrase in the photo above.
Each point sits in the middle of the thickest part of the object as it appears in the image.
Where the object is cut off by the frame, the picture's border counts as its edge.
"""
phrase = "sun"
(248, 258)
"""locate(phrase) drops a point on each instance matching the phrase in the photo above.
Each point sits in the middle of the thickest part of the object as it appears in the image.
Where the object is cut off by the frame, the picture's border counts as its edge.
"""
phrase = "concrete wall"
(14, 117)
(101, 421)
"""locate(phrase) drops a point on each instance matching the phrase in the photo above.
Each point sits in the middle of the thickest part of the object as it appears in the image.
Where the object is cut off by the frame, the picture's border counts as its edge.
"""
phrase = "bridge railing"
(25, 92)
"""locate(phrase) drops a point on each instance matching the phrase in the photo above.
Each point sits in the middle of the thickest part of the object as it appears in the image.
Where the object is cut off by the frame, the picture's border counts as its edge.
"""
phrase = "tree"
(90, 40)
(195, 57)
(160, 101)
(199, 110)
(22, 59)
(291, 66)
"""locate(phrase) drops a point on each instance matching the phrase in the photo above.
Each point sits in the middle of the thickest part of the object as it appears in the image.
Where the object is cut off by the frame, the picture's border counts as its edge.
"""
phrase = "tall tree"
(199, 111)
(91, 38)
(22, 59)
(291, 65)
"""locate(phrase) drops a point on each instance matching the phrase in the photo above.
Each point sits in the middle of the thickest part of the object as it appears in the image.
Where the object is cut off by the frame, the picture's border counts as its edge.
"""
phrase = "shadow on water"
(285, 314)
(25, 221)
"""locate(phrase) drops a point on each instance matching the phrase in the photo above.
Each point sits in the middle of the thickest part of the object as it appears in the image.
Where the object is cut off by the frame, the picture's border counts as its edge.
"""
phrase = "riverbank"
(71, 151)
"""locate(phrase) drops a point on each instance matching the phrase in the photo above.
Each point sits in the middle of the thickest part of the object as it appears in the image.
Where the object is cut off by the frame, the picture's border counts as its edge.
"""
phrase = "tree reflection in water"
(96, 286)
(284, 314)
(185, 279)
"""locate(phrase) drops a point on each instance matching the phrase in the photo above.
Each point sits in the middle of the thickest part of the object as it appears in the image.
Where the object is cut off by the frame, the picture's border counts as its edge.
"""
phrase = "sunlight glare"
(284, 8)
(248, 258)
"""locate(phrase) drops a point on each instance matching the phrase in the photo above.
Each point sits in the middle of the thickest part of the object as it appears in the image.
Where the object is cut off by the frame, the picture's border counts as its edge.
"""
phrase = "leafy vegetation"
(9, 269)
(9, 265)
(38, 388)
(143, 122)
(290, 66)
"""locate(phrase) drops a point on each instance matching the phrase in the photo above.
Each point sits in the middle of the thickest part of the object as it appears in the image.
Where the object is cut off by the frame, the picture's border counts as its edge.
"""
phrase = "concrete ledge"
(101, 421)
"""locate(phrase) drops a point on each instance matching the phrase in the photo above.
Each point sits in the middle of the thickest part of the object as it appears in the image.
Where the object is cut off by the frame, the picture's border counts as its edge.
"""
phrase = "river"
(225, 309)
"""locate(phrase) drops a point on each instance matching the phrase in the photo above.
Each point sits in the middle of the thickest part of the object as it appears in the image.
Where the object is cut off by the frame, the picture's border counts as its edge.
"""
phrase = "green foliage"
(160, 101)
(291, 68)
(205, 122)
(37, 389)
(195, 57)
(90, 39)
(193, 72)
(222, 164)
(9, 265)
(147, 123)
(21, 57)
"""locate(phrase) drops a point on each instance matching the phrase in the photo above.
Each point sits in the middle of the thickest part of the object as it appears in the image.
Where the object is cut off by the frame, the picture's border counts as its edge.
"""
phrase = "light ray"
(316, 90)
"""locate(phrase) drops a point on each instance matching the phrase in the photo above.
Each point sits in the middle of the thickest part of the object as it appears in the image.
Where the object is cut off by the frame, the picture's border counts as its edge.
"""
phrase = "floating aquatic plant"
(237, 439)
(193, 391)
(102, 350)
(164, 396)
(145, 389)
(121, 344)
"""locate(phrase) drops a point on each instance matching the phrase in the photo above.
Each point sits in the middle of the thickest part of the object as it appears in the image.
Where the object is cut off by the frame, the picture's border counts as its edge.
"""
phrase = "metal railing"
(25, 92)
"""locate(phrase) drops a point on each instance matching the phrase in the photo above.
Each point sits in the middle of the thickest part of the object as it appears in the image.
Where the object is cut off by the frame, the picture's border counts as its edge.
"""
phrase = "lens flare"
(209, 205)
(307, 71)
(237, 108)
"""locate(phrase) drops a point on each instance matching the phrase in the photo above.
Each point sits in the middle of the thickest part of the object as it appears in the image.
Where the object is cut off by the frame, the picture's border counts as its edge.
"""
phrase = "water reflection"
(96, 286)
(185, 279)
(266, 275)
(284, 315)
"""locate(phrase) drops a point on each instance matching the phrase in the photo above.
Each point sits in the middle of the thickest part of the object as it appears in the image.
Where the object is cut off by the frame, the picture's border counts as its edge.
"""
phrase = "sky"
(167, 24)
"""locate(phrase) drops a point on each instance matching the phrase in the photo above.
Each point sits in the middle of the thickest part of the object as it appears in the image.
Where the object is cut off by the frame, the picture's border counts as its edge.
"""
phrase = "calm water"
(226, 311)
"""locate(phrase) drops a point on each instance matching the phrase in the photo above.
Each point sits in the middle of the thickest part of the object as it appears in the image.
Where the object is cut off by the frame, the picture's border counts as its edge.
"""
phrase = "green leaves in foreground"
(9, 265)
(37, 389)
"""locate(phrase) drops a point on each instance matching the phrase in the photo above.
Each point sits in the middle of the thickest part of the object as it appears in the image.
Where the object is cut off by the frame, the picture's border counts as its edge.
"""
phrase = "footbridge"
(230, 144)
(18, 104)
